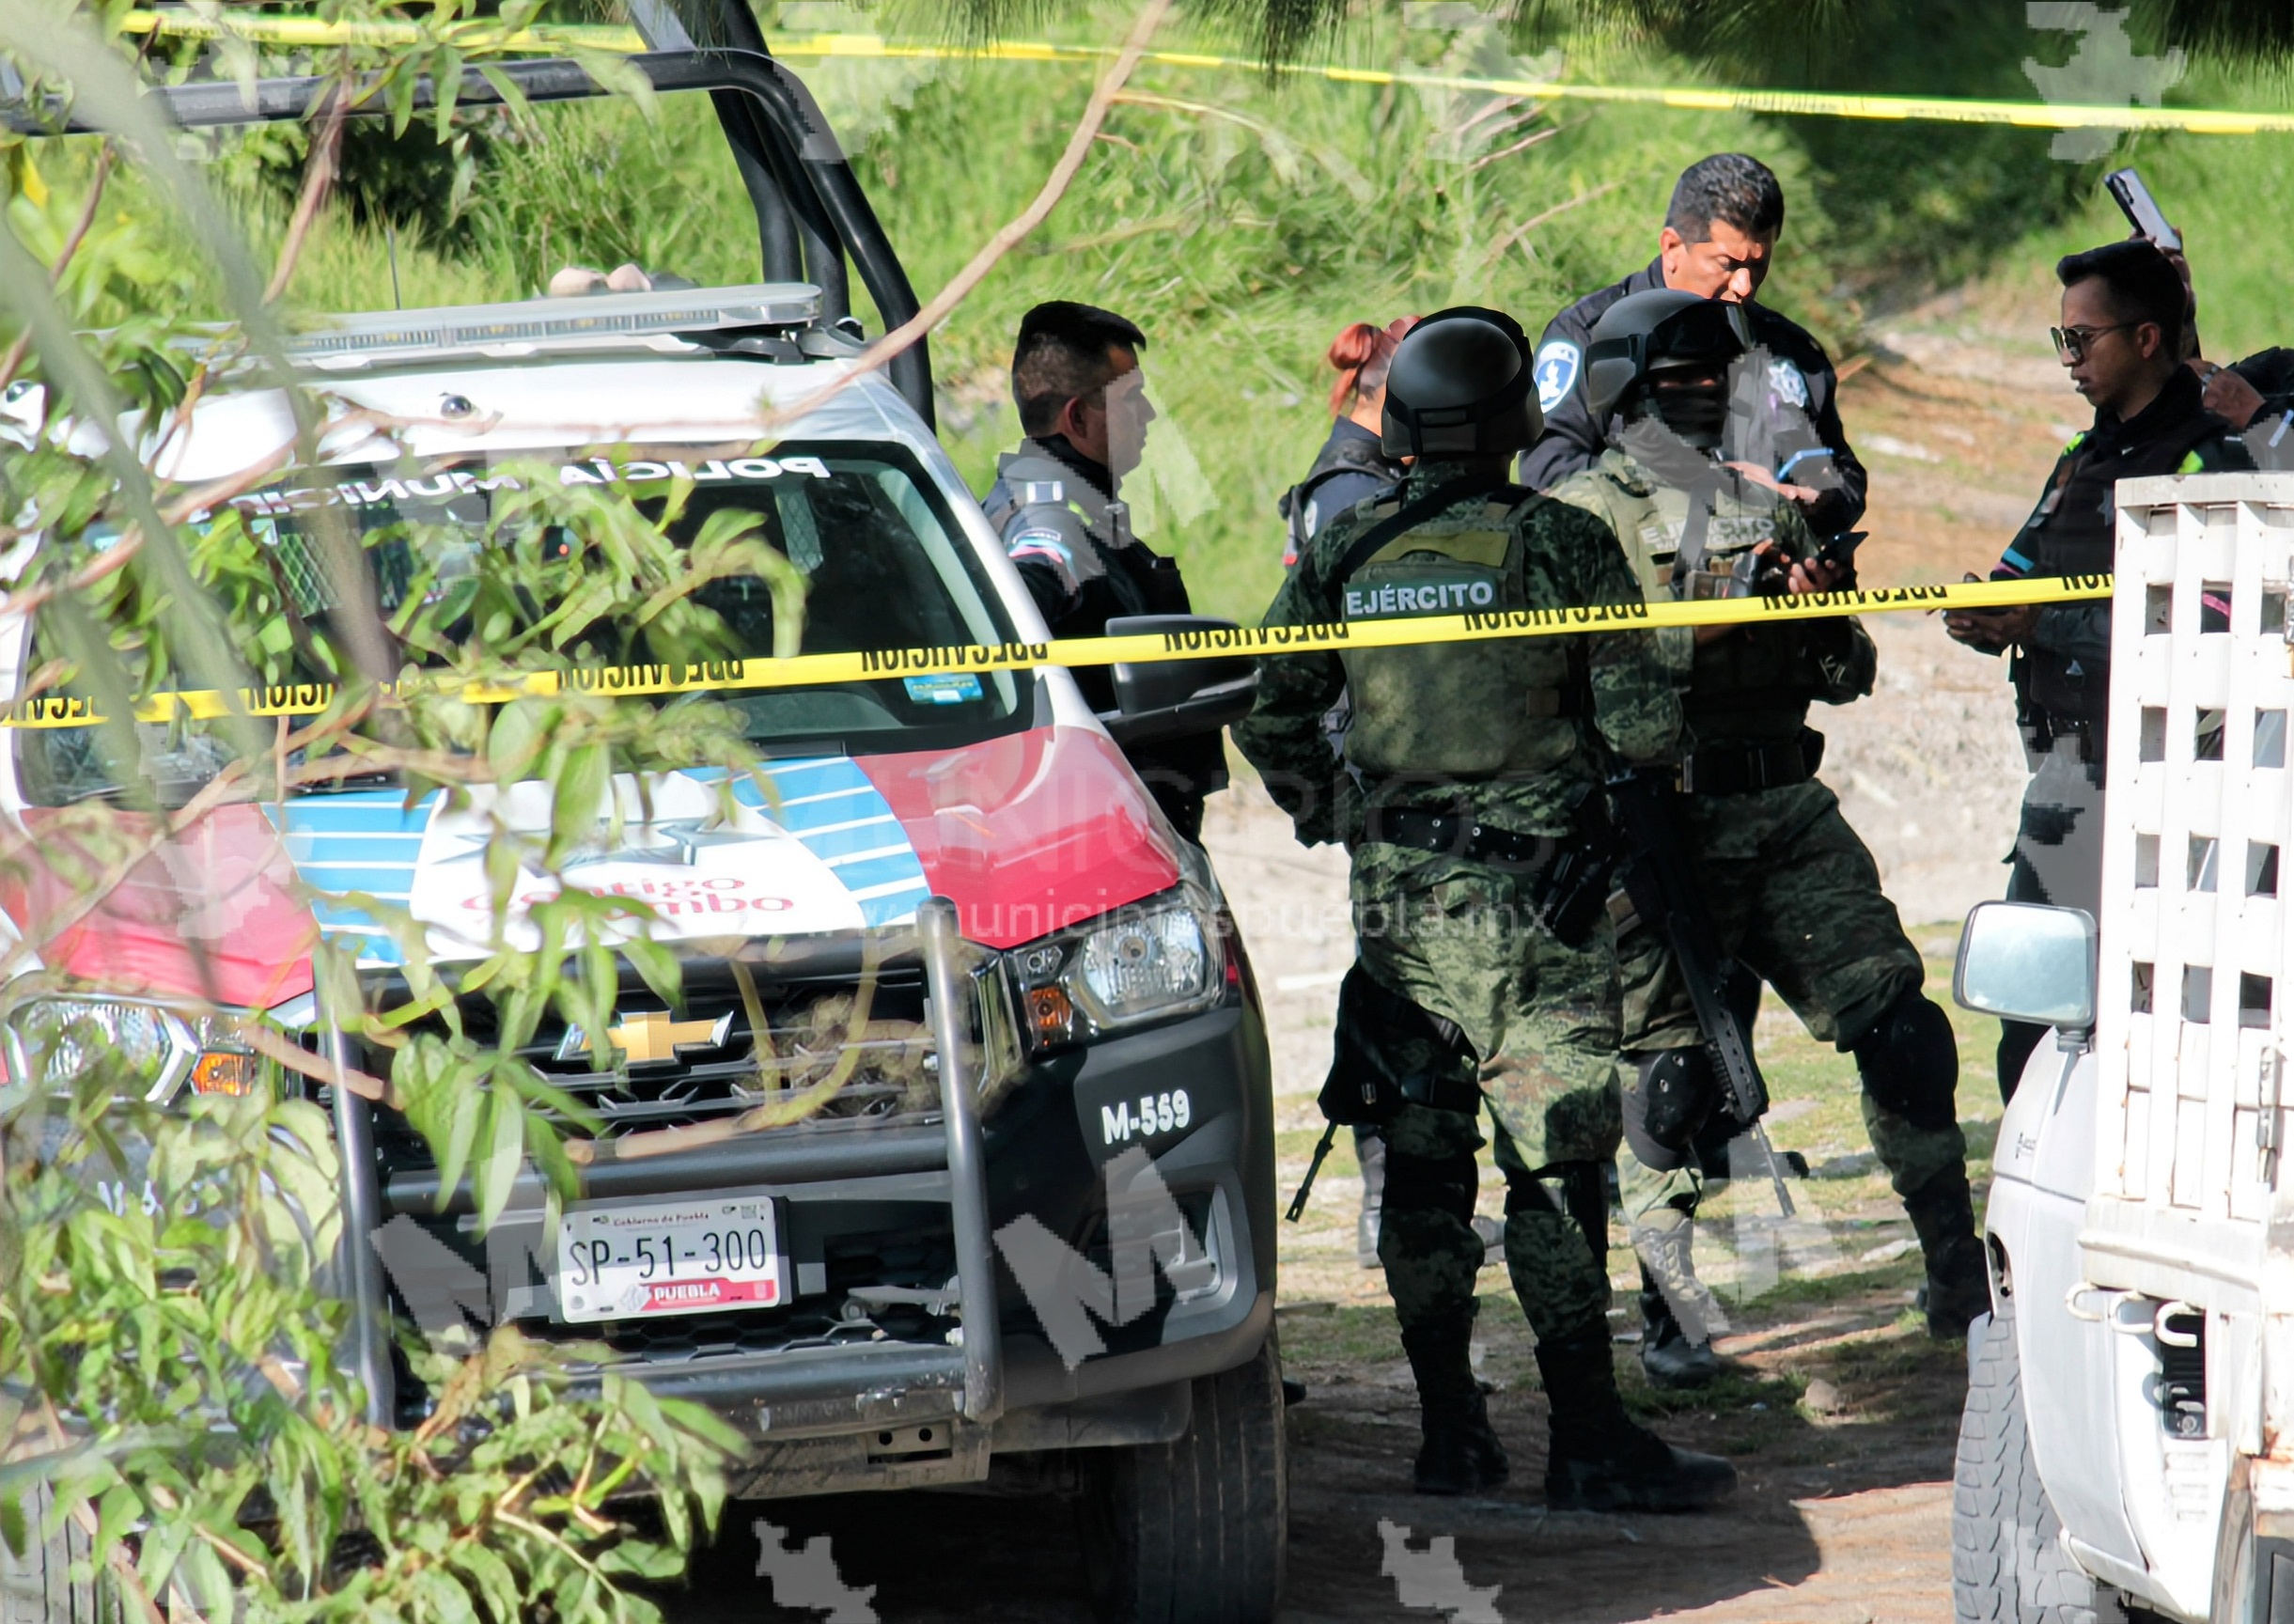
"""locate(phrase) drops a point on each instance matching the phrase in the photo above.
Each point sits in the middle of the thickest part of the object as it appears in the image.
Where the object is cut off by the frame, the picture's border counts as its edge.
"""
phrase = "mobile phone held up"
(2142, 210)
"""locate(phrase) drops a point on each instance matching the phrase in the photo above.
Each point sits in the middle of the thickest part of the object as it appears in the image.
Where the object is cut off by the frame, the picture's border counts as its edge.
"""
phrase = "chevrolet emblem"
(648, 1038)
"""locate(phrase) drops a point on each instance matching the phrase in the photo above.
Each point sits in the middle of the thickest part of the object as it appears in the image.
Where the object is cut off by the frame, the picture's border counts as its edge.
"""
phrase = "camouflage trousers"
(1796, 899)
(1462, 941)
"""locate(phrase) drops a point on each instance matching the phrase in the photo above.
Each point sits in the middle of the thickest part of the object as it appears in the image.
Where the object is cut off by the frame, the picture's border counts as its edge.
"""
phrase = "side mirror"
(2022, 961)
(1172, 698)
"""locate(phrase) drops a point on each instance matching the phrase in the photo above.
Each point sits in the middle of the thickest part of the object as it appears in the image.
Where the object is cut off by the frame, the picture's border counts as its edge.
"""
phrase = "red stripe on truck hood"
(210, 914)
(1027, 834)
(1030, 833)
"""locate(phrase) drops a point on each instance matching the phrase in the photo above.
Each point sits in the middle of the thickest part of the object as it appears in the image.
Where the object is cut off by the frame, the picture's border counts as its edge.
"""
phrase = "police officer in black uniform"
(2124, 306)
(2256, 397)
(1352, 464)
(1720, 233)
(1083, 406)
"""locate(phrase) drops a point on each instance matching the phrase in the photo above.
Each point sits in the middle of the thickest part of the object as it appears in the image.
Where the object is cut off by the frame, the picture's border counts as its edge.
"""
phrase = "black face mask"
(1698, 414)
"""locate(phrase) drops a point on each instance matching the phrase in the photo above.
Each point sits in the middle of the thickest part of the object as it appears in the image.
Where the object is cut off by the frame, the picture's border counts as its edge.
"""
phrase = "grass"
(1242, 224)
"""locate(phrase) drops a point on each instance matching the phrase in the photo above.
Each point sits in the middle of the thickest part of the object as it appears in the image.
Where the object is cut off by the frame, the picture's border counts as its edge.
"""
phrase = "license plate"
(636, 1263)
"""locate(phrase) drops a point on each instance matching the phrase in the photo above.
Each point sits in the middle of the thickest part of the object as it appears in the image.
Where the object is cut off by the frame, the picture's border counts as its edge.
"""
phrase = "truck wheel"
(2008, 1561)
(1193, 1531)
(2254, 1577)
(38, 1588)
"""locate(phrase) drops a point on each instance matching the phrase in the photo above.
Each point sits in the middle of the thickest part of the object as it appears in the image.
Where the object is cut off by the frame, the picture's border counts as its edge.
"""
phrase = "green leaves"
(185, 1346)
(173, 1315)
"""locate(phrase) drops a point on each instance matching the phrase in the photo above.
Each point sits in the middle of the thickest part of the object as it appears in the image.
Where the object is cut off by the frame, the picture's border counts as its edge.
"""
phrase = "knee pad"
(1911, 1062)
(1674, 1096)
(1431, 1185)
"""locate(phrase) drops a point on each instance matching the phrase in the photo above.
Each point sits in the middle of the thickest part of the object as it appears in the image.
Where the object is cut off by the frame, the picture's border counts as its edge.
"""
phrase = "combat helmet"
(1645, 333)
(1459, 385)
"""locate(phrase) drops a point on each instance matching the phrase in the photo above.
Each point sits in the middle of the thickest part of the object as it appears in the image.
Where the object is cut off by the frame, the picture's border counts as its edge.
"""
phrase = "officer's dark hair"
(1062, 355)
(1728, 186)
(2145, 286)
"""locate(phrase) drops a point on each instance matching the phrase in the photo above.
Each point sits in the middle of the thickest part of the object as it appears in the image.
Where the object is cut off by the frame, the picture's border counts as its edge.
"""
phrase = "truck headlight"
(1148, 962)
(154, 1051)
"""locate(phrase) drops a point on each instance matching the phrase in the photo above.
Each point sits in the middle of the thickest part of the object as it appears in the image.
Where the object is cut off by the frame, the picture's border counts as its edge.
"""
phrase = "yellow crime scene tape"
(1816, 104)
(273, 28)
(1403, 631)
(276, 29)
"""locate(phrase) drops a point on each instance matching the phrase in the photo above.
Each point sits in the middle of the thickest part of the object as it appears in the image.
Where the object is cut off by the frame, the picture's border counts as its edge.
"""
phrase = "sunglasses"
(2071, 342)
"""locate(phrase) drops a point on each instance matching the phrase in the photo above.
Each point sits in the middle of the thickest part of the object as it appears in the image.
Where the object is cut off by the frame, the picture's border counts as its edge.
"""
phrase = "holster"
(1573, 892)
(1387, 1053)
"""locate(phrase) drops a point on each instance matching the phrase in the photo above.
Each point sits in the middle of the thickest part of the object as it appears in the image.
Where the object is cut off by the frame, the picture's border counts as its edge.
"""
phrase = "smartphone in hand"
(2142, 210)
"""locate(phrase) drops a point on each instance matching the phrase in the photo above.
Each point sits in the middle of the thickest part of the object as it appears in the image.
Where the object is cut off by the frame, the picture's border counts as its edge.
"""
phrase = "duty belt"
(1454, 834)
(2047, 727)
(1742, 769)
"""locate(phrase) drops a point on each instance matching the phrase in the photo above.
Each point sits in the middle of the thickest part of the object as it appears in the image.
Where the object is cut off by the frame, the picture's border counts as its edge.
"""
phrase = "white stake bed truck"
(2128, 1447)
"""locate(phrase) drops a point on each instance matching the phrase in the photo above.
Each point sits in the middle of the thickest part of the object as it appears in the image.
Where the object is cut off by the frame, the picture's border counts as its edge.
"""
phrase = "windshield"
(864, 555)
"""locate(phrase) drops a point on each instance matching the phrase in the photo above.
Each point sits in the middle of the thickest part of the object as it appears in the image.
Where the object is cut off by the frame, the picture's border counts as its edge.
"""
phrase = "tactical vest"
(1757, 683)
(1115, 577)
(2074, 532)
(1338, 456)
(1732, 527)
(1458, 710)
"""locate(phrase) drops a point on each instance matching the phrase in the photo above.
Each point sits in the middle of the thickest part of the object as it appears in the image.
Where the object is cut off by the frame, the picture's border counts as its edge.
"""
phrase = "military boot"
(1959, 1286)
(1459, 1453)
(1599, 1460)
(1679, 1315)
(1370, 1150)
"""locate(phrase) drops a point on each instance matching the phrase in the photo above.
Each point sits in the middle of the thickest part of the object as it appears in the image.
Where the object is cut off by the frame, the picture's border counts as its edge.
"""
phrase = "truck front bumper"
(871, 1409)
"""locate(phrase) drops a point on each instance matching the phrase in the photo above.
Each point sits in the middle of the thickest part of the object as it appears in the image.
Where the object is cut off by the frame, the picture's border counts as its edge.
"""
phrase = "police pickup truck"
(1032, 1240)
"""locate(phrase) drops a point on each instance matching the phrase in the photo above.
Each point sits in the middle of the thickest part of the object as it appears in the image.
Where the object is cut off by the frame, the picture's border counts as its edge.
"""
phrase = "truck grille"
(784, 1053)
(715, 1058)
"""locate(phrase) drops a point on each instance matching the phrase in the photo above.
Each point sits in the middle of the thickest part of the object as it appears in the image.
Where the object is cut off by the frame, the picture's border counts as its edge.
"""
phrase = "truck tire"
(38, 1588)
(2008, 1561)
(2254, 1577)
(1193, 1531)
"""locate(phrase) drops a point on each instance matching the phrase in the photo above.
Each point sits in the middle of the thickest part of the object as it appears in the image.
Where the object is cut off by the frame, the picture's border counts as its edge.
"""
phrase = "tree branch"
(318, 179)
(14, 358)
(960, 287)
(1526, 226)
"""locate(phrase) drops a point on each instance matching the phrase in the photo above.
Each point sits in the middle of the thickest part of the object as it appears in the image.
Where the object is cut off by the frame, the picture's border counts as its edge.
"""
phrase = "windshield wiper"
(382, 776)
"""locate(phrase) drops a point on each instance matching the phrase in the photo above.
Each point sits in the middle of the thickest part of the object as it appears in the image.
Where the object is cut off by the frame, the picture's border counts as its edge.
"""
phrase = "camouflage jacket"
(1757, 683)
(1515, 733)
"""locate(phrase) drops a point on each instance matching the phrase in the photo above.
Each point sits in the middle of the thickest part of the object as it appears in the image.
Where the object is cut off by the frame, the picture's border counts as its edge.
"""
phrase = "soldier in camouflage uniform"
(1793, 893)
(1471, 772)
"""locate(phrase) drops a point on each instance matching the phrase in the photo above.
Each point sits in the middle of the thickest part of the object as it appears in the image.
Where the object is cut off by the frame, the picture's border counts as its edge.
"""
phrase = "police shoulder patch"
(1042, 544)
(1557, 373)
(1788, 383)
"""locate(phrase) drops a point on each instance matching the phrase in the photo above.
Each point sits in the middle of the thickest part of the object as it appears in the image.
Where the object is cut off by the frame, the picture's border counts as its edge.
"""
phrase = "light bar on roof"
(583, 321)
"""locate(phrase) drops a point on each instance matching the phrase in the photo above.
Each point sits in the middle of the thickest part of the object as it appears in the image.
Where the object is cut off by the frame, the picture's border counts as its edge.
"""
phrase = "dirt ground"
(1839, 1412)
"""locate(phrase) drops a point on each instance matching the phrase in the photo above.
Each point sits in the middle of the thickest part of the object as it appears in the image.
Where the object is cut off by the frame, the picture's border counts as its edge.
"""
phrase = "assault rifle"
(1665, 893)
